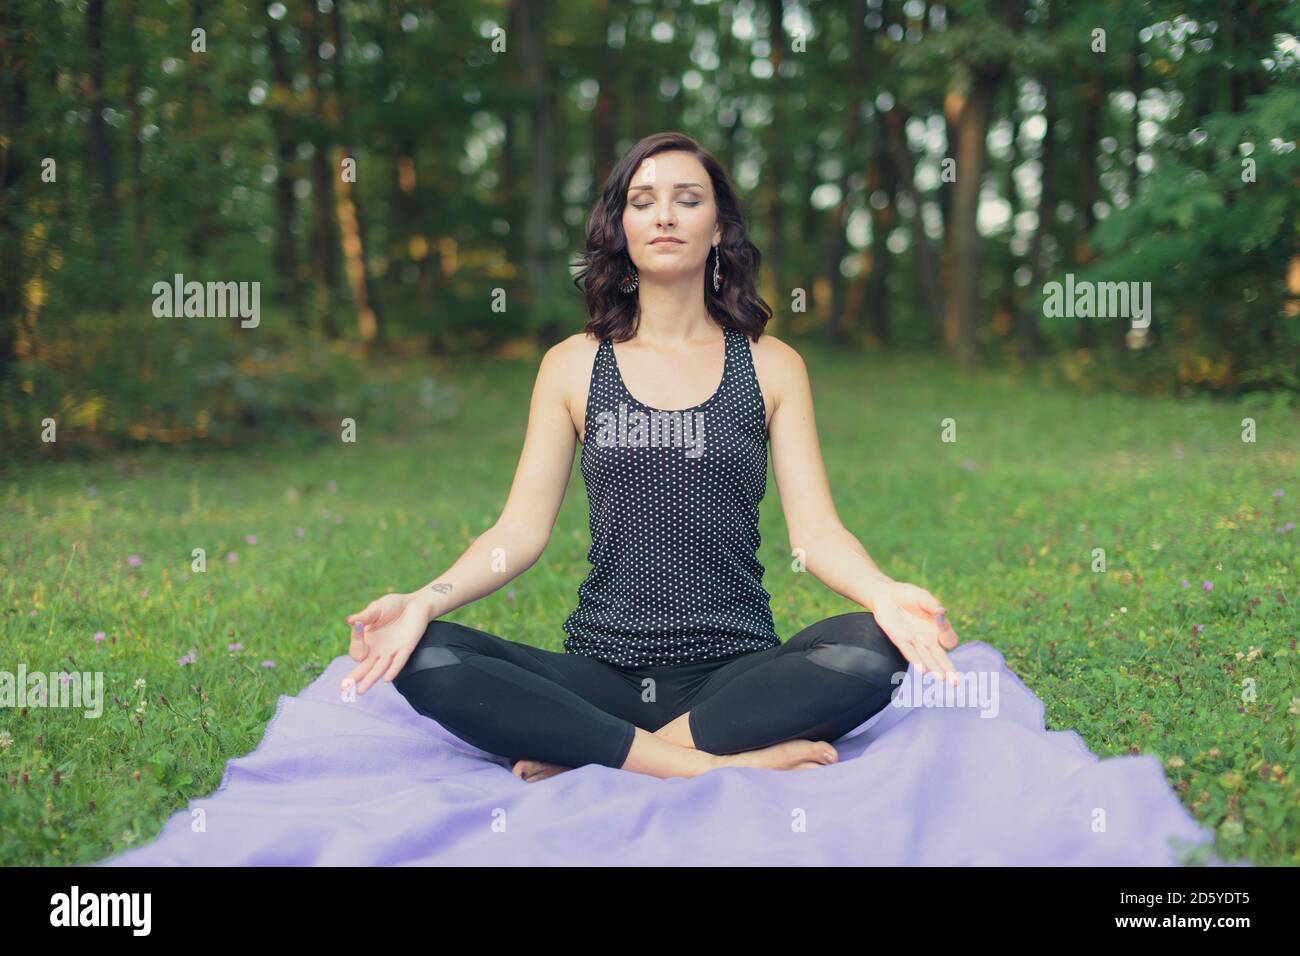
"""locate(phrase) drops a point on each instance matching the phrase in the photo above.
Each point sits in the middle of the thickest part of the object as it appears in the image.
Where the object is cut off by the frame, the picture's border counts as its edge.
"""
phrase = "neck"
(671, 314)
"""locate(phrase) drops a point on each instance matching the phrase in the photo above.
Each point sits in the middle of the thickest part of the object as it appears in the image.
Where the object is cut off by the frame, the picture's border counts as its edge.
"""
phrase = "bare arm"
(909, 615)
(830, 551)
(513, 544)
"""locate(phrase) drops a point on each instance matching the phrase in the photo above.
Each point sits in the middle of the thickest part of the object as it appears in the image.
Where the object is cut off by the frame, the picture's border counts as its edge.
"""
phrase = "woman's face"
(670, 198)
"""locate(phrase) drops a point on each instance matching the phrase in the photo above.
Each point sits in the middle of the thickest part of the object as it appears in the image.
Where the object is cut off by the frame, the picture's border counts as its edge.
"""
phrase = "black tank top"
(674, 496)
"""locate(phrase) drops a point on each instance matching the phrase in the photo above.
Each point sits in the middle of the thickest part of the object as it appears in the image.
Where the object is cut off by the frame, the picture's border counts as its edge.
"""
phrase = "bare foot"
(790, 755)
(530, 771)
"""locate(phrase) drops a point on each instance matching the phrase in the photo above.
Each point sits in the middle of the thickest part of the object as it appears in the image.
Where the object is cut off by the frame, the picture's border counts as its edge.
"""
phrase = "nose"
(664, 214)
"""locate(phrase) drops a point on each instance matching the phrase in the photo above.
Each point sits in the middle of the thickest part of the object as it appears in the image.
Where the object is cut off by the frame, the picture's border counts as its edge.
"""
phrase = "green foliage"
(192, 380)
(1200, 233)
(474, 181)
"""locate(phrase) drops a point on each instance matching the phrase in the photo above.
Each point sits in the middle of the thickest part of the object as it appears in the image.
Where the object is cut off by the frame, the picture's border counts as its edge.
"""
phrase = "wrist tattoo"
(440, 588)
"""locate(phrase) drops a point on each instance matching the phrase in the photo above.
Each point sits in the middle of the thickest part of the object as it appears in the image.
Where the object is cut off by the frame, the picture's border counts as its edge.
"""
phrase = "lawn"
(1184, 646)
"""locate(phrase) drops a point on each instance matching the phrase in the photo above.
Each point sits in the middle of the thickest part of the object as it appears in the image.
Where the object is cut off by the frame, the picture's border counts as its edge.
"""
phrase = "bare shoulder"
(566, 367)
(569, 357)
(777, 364)
(778, 353)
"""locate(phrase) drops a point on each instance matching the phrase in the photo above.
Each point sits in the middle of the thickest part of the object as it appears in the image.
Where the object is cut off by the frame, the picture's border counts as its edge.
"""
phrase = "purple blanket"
(371, 782)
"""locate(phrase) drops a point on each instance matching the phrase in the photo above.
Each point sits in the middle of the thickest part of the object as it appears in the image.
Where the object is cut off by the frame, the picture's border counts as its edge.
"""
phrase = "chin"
(663, 274)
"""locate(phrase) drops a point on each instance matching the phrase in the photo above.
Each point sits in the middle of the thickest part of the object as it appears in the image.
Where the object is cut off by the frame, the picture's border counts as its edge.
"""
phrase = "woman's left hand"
(915, 621)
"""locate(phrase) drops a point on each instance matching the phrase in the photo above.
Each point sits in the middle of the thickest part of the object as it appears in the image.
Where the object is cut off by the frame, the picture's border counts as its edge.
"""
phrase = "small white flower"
(139, 683)
(6, 741)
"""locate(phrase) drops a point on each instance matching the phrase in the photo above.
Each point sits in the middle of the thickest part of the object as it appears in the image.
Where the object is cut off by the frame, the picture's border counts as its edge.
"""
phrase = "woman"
(671, 665)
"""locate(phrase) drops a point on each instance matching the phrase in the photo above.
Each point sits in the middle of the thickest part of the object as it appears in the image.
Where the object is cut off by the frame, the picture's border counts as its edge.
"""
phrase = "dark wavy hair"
(614, 314)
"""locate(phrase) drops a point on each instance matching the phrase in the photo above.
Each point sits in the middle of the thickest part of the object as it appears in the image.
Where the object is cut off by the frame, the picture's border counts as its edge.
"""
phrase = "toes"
(822, 753)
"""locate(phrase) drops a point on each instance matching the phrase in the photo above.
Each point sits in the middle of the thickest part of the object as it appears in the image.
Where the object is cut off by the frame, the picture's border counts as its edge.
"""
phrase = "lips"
(665, 241)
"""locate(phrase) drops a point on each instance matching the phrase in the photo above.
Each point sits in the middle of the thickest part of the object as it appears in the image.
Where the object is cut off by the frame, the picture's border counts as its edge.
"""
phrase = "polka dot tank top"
(674, 496)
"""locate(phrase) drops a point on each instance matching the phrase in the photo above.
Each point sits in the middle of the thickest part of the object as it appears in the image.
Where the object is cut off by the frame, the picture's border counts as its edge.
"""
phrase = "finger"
(395, 668)
(909, 653)
(357, 648)
(376, 671)
(927, 651)
(360, 671)
(900, 640)
(369, 615)
(929, 603)
(915, 652)
(929, 656)
(945, 666)
(947, 636)
(951, 672)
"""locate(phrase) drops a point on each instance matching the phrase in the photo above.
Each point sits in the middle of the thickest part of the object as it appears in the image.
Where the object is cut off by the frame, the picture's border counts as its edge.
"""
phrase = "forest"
(409, 182)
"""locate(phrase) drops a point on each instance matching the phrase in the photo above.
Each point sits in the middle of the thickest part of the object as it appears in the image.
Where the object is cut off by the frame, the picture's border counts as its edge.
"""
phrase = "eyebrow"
(675, 186)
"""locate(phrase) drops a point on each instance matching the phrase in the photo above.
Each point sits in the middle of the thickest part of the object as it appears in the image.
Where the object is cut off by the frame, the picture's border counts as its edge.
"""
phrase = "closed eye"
(647, 205)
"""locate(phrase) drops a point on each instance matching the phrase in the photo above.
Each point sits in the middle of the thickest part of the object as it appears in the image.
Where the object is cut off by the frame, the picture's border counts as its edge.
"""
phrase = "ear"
(717, 234)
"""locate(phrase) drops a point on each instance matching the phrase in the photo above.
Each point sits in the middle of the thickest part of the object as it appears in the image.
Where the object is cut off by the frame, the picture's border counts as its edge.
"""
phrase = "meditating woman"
(671, 665)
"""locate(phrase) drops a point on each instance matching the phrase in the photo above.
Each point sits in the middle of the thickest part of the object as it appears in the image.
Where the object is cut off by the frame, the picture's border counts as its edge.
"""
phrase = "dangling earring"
(717, 257)
(631, 279)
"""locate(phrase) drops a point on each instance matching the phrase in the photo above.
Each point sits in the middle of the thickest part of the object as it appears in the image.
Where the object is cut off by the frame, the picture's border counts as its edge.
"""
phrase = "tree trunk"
(774, 174)
(540, 216)
(135, 55)
(837, 325)
(203, 211)
(972, 133)
(1135, 81)
(351, 215)
(927, 257)
(603, 135)
(1094, 101)
(1008, 308)
(1028, 333)
(286, 246)
(324, 234)
(100, 160)
(881, 177)
(13, 117)
(731, 115)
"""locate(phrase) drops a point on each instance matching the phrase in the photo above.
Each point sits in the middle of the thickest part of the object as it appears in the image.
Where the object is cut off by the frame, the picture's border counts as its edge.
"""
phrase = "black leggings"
(520, 702)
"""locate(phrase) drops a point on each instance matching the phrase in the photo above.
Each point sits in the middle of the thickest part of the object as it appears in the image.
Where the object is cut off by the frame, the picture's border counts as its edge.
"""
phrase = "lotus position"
(671, 665)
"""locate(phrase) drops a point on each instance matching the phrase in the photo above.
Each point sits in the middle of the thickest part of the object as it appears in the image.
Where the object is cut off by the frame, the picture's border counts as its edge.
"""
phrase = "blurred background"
(409, 182)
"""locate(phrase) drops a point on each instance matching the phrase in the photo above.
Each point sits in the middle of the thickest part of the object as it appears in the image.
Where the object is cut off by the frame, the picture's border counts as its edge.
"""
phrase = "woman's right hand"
(383, 637)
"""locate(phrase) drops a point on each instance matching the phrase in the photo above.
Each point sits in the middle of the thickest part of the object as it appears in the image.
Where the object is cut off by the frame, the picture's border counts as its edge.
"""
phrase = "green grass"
(1001, 525)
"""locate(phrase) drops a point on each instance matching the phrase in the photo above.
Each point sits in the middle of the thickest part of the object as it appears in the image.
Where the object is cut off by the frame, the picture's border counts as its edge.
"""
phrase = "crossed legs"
(819, 685)
(550, 711)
